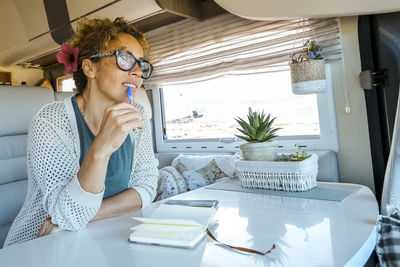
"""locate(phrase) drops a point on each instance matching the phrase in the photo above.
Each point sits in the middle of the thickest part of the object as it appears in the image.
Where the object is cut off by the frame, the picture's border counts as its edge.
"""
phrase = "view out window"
(207, 109)
(65, 84)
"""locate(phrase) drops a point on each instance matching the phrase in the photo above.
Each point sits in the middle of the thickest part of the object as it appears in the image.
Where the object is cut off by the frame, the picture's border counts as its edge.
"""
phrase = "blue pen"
(129, 95)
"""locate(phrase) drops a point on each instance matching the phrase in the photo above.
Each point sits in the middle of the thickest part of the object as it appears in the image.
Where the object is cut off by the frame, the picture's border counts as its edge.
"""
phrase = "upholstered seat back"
(17, 107)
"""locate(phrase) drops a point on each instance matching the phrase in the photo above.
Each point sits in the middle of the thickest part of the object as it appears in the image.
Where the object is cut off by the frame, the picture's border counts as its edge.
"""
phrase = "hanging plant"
(307, 70)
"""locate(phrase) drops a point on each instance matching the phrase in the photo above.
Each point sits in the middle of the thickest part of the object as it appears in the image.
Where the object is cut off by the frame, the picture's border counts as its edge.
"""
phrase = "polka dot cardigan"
(53, 163)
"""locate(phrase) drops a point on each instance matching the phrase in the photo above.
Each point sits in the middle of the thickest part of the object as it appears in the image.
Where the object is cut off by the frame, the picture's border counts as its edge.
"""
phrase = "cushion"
(170, 183)
(387, 247)
(199, 170)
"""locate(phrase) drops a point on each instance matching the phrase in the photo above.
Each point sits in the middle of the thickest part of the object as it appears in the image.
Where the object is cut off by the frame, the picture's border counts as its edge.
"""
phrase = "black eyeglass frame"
(116, 54)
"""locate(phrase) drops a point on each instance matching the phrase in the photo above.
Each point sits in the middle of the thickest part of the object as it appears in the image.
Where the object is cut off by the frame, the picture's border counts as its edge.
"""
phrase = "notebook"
(173, 225)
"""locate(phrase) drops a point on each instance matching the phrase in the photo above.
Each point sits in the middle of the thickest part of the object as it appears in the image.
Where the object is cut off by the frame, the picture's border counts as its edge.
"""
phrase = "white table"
(306, 233)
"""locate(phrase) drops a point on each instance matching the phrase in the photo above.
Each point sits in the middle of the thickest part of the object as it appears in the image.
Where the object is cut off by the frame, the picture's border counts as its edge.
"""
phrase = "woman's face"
(113, 82)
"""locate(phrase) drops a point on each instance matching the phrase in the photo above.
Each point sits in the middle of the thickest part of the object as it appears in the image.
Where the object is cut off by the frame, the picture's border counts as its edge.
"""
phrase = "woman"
(90, 156)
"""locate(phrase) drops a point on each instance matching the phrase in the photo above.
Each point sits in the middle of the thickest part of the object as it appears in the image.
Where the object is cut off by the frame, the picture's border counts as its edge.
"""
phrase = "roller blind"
(191, 51)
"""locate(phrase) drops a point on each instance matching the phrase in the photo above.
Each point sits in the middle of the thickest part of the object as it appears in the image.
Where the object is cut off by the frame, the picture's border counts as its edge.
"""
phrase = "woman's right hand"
(118, 120)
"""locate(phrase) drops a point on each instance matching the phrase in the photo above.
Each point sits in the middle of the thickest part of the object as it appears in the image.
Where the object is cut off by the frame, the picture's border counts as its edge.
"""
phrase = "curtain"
(191, 51)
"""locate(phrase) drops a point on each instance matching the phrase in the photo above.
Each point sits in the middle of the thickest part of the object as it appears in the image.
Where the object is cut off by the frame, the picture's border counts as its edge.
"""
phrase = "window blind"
(191, 51)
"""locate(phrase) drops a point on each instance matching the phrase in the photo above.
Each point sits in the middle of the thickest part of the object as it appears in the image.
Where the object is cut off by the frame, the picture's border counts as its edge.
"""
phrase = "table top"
(306, 232)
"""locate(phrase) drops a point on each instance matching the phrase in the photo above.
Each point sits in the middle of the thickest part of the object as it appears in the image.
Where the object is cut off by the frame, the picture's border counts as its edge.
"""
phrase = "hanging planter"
(308, 77)
(308, 70)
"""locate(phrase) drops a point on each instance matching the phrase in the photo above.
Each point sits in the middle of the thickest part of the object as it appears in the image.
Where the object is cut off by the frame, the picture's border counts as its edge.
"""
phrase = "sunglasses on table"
(126, 62)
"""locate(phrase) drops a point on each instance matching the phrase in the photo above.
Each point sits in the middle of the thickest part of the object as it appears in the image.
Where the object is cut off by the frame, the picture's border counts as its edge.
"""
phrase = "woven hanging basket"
(308, 77)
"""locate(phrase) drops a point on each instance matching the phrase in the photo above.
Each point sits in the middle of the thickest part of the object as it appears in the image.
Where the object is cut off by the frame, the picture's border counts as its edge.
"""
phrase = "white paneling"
(77, 8)
(12, 30)
(129, 9)
(33, 16)
(28, 50)
(354, 157)
(20, 17)
(268, 9)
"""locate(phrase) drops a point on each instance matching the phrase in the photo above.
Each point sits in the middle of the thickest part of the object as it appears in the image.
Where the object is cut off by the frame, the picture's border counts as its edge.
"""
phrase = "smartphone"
(194, 203)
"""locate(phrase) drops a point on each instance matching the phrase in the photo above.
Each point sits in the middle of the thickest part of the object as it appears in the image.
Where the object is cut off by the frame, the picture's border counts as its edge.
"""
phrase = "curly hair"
(94, 36)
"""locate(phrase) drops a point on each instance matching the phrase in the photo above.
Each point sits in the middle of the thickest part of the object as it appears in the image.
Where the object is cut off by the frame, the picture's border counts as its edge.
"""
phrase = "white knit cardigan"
(53, 163)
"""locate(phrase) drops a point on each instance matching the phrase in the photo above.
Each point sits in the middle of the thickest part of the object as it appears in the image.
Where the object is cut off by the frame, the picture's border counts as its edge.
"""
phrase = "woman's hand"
(118, 120)
(47, 228)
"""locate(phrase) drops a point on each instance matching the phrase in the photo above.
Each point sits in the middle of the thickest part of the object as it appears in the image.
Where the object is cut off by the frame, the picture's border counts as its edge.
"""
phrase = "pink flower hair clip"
(69, 56)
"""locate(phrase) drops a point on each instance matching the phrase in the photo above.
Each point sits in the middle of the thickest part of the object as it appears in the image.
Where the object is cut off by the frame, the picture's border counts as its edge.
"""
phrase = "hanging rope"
(305, 26)
(294, 42)
(312, 31)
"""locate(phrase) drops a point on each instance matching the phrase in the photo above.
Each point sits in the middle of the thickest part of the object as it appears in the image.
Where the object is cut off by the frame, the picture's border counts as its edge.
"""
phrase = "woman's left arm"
(127, 201)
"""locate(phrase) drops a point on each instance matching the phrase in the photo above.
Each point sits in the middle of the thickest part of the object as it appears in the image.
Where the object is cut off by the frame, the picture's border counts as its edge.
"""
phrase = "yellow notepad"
(173, 225)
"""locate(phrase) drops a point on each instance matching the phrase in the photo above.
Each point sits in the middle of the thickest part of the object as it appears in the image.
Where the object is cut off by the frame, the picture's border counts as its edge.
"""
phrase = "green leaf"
(246, 133)
(256, 121)
(242, 123)
(259, 127)
(244, 138)
(263, 130)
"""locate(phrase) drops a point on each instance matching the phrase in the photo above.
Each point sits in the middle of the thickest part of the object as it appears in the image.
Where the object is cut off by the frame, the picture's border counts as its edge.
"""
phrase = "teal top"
(120, 163)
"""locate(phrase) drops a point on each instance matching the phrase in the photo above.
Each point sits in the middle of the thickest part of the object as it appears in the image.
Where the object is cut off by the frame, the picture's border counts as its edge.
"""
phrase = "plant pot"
(265, 151)
(308, 77)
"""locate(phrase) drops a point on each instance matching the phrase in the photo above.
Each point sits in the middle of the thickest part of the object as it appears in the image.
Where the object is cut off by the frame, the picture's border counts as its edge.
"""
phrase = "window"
(207, 109)
(207, 73)
(65, 84)
(200, 116)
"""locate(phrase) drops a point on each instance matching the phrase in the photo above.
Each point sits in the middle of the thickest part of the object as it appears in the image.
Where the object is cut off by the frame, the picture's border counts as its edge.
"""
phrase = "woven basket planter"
(308, 77)
(279, 175)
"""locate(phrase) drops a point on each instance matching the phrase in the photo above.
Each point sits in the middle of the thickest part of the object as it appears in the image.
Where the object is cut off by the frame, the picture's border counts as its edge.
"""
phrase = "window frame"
(59, 81)
(328, 139)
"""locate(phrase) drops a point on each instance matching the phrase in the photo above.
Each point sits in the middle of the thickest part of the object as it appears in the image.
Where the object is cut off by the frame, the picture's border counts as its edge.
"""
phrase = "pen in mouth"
(129, 95)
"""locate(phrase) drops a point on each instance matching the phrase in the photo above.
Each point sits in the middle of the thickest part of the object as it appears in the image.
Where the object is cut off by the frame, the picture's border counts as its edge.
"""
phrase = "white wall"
(354, 157)
(20, 74)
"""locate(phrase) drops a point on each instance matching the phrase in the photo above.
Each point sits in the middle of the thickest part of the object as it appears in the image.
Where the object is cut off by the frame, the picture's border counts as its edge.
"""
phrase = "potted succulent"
(307, 70)
(259, 132)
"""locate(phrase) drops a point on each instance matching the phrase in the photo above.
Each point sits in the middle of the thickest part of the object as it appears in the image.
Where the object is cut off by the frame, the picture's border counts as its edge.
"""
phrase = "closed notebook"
(173, 225)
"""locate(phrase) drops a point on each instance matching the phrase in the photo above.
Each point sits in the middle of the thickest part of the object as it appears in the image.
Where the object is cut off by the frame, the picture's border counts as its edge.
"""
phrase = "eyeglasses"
(126, 62)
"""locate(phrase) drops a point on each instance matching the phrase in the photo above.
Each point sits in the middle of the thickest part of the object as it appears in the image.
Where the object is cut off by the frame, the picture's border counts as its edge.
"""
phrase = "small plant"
(258, 128)
(298, 155)
(311, 51)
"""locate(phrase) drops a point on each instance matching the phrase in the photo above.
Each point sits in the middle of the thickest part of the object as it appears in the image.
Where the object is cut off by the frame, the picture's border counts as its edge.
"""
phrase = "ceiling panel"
(12, 30)
(269, 9)
(33, 16)
(77, 8)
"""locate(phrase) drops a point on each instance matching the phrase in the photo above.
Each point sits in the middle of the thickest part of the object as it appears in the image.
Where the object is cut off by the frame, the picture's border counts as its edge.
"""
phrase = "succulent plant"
(258, 128)
(298, 155)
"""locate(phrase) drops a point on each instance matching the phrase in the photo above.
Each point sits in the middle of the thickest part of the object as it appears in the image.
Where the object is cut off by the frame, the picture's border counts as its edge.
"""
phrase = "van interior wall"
(20, 74)
(53, 73)
(354, 157)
